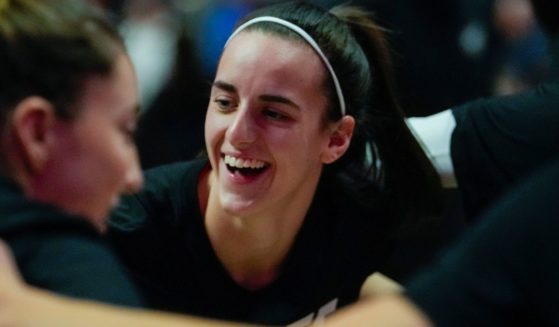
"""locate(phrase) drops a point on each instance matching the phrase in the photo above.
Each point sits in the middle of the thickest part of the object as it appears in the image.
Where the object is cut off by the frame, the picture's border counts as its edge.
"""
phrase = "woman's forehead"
(255, 63)
(262, 51)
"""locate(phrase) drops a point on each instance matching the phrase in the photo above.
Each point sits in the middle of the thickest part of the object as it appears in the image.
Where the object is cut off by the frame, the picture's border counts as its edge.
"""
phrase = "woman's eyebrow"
(225, 86)
(279, 99)
(265, 97)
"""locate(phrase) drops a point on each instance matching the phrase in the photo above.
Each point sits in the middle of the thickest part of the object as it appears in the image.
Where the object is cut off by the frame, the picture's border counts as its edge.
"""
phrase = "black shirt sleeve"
(74, 264)
(504, 273)
(499, 140)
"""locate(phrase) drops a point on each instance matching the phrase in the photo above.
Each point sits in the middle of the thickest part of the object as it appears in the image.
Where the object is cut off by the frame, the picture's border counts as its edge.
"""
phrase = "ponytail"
(404, 173)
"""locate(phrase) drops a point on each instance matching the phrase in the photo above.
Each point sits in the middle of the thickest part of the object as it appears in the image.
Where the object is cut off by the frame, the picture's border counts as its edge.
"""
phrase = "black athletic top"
(59, 252)
(504, 272)
(160, 235)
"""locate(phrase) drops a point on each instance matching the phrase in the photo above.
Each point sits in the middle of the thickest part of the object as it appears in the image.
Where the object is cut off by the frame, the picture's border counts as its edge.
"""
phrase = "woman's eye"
(275, 115)
(224, 104)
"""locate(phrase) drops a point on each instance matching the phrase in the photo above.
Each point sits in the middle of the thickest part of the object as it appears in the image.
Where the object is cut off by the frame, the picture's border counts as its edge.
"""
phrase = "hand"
(386, 311)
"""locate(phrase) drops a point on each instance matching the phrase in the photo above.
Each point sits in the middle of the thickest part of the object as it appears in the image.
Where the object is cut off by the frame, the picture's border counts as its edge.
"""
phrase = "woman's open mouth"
(245, 167)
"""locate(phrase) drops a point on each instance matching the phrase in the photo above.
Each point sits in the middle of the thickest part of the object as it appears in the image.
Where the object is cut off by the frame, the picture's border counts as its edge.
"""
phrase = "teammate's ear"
(31, 122)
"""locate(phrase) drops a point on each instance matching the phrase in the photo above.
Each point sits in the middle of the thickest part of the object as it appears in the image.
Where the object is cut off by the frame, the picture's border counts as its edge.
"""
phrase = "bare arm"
(38, 308)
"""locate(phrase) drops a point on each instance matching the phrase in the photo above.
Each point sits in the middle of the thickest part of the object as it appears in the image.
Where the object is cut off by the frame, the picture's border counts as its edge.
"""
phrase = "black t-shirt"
(499, 140)
(504, 273)
(160, 235)
(61, 253)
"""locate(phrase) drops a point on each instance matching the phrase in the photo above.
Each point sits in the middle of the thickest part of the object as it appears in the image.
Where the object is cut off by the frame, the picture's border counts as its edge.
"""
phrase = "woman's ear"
(32, 121)
(340, 138)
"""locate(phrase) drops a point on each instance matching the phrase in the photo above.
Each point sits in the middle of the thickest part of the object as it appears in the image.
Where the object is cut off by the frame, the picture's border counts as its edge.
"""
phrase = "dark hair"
(383, 157)
(47, 48)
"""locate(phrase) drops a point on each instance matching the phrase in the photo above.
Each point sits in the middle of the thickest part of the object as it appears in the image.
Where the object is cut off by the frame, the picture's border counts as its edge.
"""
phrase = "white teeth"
(243, 163)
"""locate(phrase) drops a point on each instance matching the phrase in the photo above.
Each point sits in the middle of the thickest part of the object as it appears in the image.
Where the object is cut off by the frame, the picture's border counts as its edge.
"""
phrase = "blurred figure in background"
(525, 55)
(445, 51)
(159, 35)
(151, 29)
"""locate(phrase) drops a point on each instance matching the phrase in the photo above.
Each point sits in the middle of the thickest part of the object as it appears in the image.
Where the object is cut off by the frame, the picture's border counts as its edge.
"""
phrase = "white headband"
(307, 38)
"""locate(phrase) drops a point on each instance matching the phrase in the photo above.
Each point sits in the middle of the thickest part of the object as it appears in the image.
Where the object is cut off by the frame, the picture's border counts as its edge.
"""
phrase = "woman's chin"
(237, 205)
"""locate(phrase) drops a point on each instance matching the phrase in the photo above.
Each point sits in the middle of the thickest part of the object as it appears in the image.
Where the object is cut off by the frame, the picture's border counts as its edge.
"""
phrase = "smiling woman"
(310, 171)
(286, 137)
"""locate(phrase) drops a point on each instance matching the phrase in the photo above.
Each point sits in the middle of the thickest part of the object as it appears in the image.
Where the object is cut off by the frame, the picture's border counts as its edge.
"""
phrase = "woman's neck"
(252, 248)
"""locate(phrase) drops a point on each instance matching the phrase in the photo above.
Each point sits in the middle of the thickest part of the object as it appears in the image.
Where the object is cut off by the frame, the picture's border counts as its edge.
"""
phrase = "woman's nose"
(243, 129)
